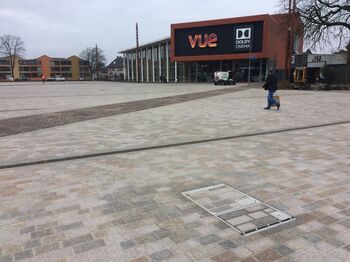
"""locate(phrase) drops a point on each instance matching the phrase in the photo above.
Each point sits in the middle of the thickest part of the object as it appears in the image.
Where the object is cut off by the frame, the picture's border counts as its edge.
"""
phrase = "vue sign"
(203, 41)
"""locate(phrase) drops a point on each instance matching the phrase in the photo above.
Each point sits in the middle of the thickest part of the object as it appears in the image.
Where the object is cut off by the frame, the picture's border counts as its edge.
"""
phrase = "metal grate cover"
(238, 210)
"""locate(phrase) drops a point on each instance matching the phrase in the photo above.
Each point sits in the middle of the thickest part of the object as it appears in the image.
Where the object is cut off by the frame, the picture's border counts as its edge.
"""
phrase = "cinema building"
(196, 50)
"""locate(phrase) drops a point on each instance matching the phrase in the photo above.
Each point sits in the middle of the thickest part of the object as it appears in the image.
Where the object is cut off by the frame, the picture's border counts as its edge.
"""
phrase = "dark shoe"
(267, 107)
(278, 106)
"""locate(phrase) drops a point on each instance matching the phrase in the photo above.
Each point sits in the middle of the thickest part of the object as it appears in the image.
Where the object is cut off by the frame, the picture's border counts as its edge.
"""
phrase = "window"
(4, 62)
(65, 62)
(66, 75)
(55, 69)
(29, 62)
(66, 69)
(5, 69)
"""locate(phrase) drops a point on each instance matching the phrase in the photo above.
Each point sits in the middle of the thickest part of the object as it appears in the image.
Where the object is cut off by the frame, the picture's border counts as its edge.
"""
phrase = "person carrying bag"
(271, 86)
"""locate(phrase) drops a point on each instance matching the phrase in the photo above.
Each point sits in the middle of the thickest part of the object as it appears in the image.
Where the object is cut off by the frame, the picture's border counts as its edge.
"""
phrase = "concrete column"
(132, 67)
(147, 69)
(159, 63)
(128, 65)
(167, 61)
(141, 66)
(136, 67)
(153, 72)
(124, 68)
(175, 72)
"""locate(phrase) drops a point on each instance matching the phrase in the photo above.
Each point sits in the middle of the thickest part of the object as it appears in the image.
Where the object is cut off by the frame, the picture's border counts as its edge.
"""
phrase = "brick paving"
(29, 123)
(129, 207)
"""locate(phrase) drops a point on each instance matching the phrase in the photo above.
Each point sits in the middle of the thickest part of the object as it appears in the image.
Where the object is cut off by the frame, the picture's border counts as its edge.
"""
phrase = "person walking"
(271, 86)
(43, 78)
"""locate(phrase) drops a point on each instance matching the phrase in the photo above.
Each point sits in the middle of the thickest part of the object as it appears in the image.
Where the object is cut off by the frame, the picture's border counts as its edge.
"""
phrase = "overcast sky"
(60, 28)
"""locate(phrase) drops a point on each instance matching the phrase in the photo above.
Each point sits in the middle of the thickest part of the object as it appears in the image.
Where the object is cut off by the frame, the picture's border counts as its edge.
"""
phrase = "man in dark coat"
(271, 86)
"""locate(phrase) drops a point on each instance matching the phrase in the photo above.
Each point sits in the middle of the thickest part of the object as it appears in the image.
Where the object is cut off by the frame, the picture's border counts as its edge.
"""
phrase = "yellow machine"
(300, 75)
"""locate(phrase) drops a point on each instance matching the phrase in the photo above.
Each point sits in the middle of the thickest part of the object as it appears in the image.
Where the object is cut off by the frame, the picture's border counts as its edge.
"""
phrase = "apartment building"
(71, 68)
(5, 69)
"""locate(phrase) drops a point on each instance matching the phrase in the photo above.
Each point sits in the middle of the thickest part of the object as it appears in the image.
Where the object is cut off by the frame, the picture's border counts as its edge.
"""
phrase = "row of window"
(29, 69)
(60, 62)
(61, 69)
(28, 75)
(5, 69)
(29, 62)
(4, 62)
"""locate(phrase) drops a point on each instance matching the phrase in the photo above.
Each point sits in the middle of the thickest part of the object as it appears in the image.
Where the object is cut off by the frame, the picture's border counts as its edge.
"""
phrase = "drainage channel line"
(140, 149)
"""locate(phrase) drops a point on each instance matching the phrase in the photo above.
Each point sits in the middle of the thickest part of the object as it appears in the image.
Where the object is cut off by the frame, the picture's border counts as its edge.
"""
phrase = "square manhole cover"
(238, 210)
(255, 218)
(219, 199)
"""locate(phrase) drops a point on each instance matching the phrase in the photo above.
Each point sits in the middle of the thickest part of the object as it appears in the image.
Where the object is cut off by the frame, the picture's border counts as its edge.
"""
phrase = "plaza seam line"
(131, 150)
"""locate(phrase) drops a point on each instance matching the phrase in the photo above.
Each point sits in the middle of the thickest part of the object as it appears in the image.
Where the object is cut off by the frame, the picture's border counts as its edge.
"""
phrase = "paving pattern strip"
(22, 124)
(7, 165)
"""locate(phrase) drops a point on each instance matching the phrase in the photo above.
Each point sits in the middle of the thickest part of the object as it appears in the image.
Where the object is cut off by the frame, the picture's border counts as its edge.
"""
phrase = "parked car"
(224, 78)
(60, 78)
(56, 78)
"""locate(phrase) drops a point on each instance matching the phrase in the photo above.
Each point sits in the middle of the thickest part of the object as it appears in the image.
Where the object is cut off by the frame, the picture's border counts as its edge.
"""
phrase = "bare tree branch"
(326, 22)
(11, 47)
(95, 58)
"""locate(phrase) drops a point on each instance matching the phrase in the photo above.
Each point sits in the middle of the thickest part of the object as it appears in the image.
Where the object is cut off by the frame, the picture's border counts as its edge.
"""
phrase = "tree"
(11, 47)
(325, 21)
(95, 58)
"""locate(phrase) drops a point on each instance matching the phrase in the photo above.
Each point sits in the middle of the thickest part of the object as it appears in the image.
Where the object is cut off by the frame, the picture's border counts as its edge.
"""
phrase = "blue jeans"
(270, 100)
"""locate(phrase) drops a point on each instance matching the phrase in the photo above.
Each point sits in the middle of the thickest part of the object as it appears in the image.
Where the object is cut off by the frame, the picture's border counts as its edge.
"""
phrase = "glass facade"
(157, 67)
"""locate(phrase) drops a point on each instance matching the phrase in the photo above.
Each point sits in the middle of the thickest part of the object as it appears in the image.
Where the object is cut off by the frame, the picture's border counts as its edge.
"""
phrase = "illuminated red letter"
(212, 40)
(202, 43)
(193, 42)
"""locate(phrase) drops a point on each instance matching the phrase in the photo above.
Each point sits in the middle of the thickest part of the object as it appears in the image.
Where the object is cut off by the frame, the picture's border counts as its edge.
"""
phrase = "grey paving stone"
(205, 240)
(5, 216)
(345, 222)
(283, 250)
(71, 226)
(6, 258)
(239, 220)
(46, 248)
(264, 221)
(192, 225)
(228, 244)
(77, 240)
(67, 209)
(49, 225)
(31, 244)
(43, 214)
(42, 233)
(162, 233)
(346, 212)
(24, 254)
(27, 230)
(127, 244)
(88, 246)
(161, 255)
(233, 214)
(314, 238)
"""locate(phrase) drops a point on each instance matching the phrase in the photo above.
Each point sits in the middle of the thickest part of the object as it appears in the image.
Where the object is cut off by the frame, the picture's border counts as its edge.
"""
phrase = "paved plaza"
(96, 171)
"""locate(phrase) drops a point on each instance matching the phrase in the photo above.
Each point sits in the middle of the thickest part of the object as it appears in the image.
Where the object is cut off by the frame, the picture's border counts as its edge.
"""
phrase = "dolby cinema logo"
(243, 38)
